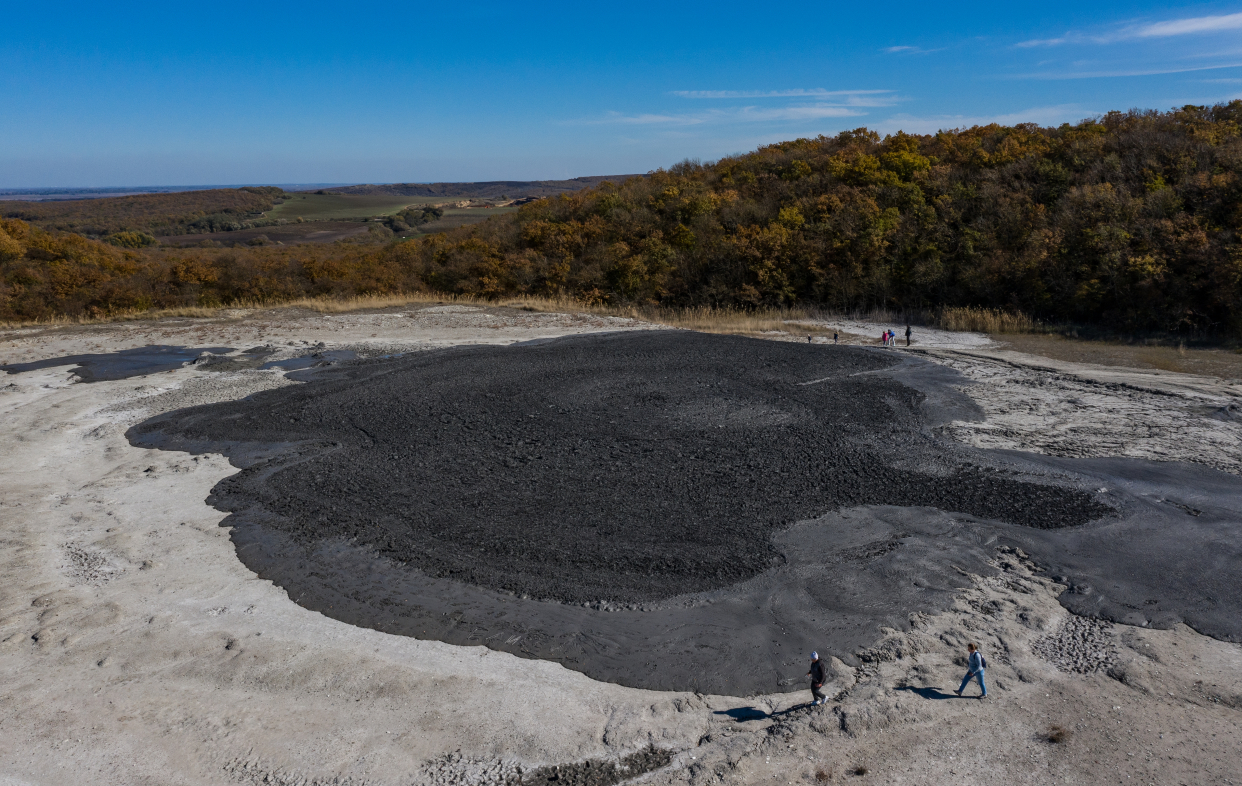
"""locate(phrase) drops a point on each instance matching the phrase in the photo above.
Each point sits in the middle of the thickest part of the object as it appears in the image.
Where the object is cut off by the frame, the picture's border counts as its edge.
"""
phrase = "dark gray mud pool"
(673, 510)
(123, 364)
(143, 361)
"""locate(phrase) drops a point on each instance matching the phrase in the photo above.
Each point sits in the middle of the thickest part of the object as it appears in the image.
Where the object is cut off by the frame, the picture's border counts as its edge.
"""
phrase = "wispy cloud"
(1044, 115)
(909, 50)
(1065, 39)
(1197, 24)
(829, 104)
(1166, 29)
(746, 114)
(1126, 72)
(849, 95)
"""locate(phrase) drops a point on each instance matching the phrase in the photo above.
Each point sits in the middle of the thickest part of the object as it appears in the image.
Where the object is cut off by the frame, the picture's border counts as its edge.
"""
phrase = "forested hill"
(173, 213)
(1130, 221)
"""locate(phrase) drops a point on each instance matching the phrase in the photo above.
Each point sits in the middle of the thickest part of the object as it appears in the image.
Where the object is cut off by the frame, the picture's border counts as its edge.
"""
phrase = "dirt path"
(136, 649)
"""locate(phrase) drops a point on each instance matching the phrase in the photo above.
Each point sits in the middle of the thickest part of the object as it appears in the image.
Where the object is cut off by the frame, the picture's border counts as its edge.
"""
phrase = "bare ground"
(136, 649)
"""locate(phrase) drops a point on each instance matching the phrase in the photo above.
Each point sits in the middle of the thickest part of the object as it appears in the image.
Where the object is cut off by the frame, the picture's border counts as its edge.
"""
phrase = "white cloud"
(1198, 24)
(1065, 39)
(849, 95)
(808, 112)
(1127, 72)
(746, 114)
(831, 104)
(1172, 27)
(910, 50)
(617, 117)
(1043, 115)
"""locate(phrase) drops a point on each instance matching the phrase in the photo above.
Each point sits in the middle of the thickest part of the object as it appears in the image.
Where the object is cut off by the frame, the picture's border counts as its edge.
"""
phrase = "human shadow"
(930, 693)
(743, 714)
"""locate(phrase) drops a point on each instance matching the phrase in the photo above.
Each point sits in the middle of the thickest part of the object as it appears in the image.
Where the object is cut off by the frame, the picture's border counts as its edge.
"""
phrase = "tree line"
(1130, 221)
(179, 213)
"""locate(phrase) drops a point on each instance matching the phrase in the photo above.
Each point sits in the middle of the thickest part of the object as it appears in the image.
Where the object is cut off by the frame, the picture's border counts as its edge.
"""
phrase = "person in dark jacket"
(818, 675)
(975, 667)
(907, 335)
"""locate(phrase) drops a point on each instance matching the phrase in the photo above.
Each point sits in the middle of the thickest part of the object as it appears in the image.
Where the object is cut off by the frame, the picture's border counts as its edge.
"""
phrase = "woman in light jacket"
(975, 666)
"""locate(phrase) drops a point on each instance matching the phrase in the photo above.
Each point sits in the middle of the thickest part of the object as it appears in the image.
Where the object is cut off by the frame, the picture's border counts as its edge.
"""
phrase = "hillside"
(156, 214)
(214, 214)
(61, 194)
(1131, 221)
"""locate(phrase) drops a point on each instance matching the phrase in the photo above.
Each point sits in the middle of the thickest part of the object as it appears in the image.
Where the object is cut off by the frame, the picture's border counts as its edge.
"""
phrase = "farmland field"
(457, 217)
(326, 207)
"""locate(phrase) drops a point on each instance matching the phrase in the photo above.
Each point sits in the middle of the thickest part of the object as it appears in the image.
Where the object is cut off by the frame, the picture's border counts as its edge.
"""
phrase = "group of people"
(889, 338)
(975, 666)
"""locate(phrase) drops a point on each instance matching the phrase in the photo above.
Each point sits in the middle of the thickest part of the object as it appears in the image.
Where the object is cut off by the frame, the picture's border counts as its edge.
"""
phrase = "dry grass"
(726, 320)
(706, 319)
(322, 305)
(985, 320)
(119, 316)
(364, 302)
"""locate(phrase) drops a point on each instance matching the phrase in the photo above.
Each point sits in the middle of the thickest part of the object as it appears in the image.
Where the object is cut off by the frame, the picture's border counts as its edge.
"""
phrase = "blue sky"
(127, 94)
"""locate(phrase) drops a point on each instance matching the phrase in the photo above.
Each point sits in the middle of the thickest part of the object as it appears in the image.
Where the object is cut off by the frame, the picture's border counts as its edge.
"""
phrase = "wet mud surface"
(675, 510)
(313, 360)
(123, 364)
(627, 469)
(143, 361)
(1175, 555)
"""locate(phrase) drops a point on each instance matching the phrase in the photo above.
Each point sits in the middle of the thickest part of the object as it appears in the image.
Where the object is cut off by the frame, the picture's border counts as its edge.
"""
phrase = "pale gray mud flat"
(136, 648)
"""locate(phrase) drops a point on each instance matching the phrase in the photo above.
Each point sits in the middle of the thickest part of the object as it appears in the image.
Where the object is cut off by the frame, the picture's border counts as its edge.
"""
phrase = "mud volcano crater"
(627, 468)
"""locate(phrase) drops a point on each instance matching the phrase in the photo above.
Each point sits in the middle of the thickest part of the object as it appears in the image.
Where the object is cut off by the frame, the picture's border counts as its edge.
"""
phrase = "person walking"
(819, 676)
(976, 664)
(907, 334)
(834, 336)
